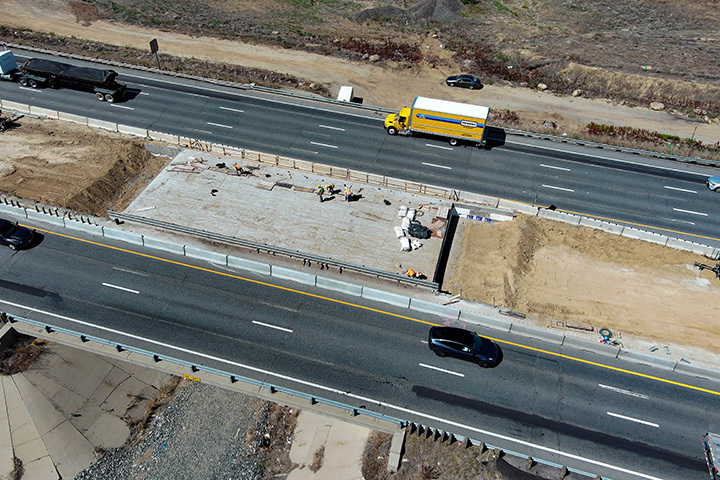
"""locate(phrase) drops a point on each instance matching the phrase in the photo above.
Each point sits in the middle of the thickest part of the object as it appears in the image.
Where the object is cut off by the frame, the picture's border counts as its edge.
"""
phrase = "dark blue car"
(13, 235)
(463, 344)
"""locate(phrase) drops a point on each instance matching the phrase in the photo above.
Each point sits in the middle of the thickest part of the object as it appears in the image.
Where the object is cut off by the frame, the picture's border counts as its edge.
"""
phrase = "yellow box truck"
(456, 121)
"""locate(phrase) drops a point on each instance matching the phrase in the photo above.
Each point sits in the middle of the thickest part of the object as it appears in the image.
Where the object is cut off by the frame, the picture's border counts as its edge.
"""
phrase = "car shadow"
(38, 238)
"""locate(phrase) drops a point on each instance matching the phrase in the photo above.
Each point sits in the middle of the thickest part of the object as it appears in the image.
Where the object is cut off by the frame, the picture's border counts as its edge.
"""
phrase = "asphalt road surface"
(580, 409)
(655, 194)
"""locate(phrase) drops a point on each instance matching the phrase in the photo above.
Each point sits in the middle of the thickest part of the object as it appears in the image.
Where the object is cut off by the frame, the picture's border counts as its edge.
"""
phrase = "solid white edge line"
(436, 166)
(441, 370)
(626, 392)
(680, 189)
(636, 420)
(120, 288)
(219, 125)
(554, 167)
(690, 211)
(324, 145)
(346, 394)
(269, 100)
(606, 158)
(558, 188)
(332, 128)
(272, 326)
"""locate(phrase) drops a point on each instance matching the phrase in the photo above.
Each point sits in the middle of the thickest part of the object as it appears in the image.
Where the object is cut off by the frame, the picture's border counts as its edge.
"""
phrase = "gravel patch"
(205, 432)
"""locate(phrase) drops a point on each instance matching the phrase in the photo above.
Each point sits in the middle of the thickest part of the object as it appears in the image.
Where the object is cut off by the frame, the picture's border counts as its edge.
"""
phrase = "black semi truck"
(38, 72)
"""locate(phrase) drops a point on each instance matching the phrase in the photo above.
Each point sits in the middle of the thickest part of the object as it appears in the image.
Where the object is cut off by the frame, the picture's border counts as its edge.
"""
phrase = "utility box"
(345, 94)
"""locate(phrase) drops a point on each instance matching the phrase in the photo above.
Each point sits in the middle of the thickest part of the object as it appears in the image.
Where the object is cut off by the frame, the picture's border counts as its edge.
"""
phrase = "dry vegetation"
(669, 49)
(19, 356)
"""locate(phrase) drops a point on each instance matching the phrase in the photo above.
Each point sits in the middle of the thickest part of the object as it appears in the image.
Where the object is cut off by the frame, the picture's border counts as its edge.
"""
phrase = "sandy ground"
(375, 84)
(545, 269)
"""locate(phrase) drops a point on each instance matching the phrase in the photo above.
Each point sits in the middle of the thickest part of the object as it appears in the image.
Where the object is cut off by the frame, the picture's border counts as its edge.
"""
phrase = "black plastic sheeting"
(65, 71)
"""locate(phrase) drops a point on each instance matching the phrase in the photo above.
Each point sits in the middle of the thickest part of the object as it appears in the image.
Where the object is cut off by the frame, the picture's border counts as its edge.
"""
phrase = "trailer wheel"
(100, 96)
(453, 141)
(392, 130)
(24, 81)
(32, 83)
(110, 98)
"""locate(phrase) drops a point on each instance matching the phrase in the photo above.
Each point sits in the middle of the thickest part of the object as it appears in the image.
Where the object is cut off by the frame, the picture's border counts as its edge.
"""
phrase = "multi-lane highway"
(585, 410)
(579, 409)
(652, 193)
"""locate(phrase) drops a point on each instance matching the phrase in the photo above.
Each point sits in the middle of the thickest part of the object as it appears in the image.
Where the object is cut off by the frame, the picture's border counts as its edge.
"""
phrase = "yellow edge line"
(417, 320)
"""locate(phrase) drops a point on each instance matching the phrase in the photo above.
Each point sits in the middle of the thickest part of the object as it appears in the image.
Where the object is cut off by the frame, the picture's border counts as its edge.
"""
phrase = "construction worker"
(330, 188)
(348, 194)
(320, 191)
(410, 273)
(238, 169)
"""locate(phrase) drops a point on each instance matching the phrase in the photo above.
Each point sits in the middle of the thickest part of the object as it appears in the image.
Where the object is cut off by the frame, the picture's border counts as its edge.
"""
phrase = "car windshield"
(7, 228)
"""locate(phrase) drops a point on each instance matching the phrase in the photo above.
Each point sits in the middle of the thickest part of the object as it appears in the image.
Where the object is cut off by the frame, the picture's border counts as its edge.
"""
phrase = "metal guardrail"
(323, 261)
(412, 427)
(197, 367)
(605, 146)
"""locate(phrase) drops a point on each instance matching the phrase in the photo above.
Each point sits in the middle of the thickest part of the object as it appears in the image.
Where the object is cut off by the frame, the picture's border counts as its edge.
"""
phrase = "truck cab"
(396, 122)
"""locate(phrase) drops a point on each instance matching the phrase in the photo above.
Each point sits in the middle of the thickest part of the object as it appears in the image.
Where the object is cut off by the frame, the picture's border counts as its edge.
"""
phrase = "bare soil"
(548, 270)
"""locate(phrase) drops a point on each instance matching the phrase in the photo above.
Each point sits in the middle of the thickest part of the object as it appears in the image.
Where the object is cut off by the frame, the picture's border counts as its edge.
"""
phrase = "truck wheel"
(109, 98)
(453, 141)
(100, 96)
(23, 81)
(392, 130)
(32, 83)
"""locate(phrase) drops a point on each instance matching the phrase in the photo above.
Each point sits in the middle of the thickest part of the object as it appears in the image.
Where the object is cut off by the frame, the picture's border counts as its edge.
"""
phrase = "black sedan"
(13, 235)
(465, 81)
(463, 344)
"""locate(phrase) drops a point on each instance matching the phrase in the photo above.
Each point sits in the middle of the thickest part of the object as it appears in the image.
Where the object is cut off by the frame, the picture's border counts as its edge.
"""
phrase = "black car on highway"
(463, 344)
(465, 81)
(14, 236)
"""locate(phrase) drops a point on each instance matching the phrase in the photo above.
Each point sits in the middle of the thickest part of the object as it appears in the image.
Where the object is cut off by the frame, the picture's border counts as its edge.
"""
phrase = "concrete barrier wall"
(92, 122)
(592, 347)
(600, 225)
(643, 235)
(11, 210)
(201, 254)
(543, 334)
(18, 107)
(83, 227)
(165, 137)
(559, 216)
(664, 363)
(69, 117)
(164, 245)
(44, 217)
(138, 132)
(385, 297)
(129, 237)
(478, 199)
(339, 286)
(519, 207)
(696, 371)
(489, 322)
(44, 112)
(444, 311)
(251, 265)
(691, 247)
(292, 275)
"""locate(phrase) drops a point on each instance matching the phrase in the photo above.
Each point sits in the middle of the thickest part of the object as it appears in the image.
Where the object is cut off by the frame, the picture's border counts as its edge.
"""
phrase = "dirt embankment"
(66, 165)
(551, 270)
